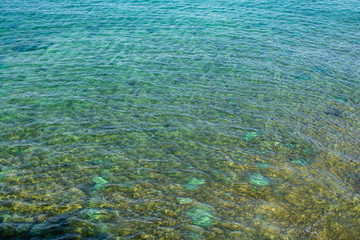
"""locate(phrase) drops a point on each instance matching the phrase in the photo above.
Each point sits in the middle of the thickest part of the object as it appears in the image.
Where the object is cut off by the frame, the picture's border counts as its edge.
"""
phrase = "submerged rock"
(99, 181)
(202, 218)
(202, 215)
(194, 183)
(94, 215)
(333, 111)
(262, 165)
(341, 98)
(3, 171)
(300, 161)
(185, 200)
(250, 136)
(292, 145)
(259, 179)
(195, 236)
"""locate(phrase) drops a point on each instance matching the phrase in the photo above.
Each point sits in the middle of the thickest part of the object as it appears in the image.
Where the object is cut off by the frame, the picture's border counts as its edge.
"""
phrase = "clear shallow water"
(179, 120)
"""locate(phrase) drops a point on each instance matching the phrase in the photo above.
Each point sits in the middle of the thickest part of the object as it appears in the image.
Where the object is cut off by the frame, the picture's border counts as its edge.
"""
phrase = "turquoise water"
(179, 119)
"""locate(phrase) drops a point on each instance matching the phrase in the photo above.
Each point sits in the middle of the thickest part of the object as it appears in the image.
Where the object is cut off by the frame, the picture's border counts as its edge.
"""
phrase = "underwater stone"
(263, 165)
(194, 183)
(6, 218)
(4, 170)
(202, 215)
(291, 145)
(195, 236)
(202, 218)
(94, 214)
(300, 161)
(333, 111)
(185, 200)
(342, 99)
(103, 228)
(250, 136)
(95, 202)
(98, 162)
(99, 181)
(230, 177)
(259, 179)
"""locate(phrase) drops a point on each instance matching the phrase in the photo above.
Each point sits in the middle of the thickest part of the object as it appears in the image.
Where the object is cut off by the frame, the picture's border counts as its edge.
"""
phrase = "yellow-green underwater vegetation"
(179, 120)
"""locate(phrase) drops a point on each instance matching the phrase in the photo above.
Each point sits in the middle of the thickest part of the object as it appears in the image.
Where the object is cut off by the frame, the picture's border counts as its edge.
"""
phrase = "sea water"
(134, 119)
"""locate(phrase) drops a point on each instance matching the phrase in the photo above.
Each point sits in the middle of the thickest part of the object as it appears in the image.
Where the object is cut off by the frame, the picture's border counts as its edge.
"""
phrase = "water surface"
(176, 119)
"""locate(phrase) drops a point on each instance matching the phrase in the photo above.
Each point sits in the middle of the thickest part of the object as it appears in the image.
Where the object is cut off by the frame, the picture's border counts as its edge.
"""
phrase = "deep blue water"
(179, 119)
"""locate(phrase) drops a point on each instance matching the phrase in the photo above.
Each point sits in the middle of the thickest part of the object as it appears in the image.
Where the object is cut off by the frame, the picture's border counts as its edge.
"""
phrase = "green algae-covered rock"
(202, 215)
(300, 161)
(259, 179)
(99, 181)
(194, 183)
(250, 136)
